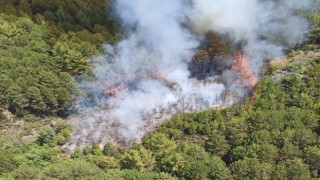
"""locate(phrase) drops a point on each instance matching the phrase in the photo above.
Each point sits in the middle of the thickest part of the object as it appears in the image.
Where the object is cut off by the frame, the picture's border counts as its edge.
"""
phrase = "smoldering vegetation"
(150, 75)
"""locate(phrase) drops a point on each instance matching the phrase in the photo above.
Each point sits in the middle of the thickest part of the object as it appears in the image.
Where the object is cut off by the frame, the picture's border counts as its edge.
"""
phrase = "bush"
(45, 136)
(27, 172)
(110, 149)
(7, 161)
(72, 169)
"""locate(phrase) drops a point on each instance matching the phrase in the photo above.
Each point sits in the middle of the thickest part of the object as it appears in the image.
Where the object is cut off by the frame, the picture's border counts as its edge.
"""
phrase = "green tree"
(218, 169)
(110, 149)
(250, 168)
(140, 159)
(160, 145)
(172, 163)
(289, 151)
(45, 136)
(236, 131)
(279, 172)
(264, 152)
(7, 161)
(25, 7)
(217, 144)
(260, 137)
(296, 169)
(72, 169)
(104, 163)
(312, 156)
(27, 172)
(197, 163)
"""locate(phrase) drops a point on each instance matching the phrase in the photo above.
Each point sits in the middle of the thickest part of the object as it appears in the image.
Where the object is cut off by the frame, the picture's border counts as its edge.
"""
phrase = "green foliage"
(45, 136)
(77, 153)
(217, 144)
(218, 169)
(104, 162)
(215, 48)
(160, 145)
(30, 83)
(87, 150)
(110, 149)
(68, 15)
(45, 44)
(296, 169)
(73, 57)
(255, 141)
(314, 17)
(250, 168)
(35, 155)
(31, 118)
(7, 161)
(59, 135)
(197, 159)
(312, 156)
(27, 172)
(139, 159)
(172, 163)
(137, 175)
(75, 169)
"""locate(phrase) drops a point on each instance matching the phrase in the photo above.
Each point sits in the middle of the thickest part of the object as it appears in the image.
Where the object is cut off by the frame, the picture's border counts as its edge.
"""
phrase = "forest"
(47, 45)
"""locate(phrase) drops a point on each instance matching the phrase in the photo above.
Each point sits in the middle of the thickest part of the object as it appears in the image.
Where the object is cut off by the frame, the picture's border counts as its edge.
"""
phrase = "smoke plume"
(146, 78)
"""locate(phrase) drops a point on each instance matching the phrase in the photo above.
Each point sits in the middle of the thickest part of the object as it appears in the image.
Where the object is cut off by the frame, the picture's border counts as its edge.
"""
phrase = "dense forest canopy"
(46, 45)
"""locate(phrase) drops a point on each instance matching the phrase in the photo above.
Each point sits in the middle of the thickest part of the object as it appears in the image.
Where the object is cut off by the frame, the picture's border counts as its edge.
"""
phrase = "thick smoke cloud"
(162, 37)
(266, 27)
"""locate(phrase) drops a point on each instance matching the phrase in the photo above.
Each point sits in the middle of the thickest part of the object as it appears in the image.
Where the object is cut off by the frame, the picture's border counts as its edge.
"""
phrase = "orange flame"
(253, 96)
(113, 91)
(159, 76)
(241, 64)
(117, 89)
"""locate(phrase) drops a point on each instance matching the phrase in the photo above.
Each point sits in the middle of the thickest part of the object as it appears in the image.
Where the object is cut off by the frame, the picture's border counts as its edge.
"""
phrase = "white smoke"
(266, 27)
(162, 37)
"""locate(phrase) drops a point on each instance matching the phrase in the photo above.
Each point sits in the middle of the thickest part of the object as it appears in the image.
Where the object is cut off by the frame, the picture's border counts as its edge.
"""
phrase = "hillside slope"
(275, 136)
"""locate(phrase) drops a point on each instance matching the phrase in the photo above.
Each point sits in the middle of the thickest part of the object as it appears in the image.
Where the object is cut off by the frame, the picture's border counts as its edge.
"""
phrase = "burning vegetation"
(206, 74)
(214, 56)
(241, 64)
(154, 73)
(115, 92)
(122, 84)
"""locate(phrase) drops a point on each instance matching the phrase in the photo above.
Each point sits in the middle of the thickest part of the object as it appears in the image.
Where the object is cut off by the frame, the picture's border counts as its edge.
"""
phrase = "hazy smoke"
(265, 27)
(162, 37)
